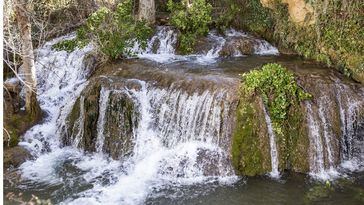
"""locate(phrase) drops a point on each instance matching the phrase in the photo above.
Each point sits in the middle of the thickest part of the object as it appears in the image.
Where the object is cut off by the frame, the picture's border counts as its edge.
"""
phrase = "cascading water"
(104, 98)
(333, 131)
(161, 47)
(180, 137)
(352, 148)
(273, 146)
(317, 165)
(322, 164)
(61, 78)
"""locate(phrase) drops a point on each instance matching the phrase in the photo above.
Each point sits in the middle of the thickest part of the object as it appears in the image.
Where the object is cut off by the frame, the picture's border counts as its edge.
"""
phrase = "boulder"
(15, 156)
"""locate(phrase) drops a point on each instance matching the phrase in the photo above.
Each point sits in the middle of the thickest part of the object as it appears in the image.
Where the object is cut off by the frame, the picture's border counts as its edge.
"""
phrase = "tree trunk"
(27, 55)
(147, 11)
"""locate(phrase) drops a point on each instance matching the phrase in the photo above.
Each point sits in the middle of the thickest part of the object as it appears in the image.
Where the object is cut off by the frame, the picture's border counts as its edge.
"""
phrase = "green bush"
(112, 32)
(277, 87)
(192, 19)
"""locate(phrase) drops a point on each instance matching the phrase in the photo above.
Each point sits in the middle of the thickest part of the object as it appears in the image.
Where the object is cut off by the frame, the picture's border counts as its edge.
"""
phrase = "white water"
(61, 77)
(328, 135)
(169, 143)
(161, 47)
(273, 146)
(353, 149)
(176, 152)
(170, 152)
(320, 138)
(104, 99)
(317, 166)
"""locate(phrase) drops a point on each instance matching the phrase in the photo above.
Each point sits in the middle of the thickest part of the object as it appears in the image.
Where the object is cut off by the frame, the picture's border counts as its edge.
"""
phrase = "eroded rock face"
(119, 125)
(102, 122)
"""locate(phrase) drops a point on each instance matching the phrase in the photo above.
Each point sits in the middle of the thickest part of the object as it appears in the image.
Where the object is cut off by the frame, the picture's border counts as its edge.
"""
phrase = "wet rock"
(12, 101)
(120, 122)
(120, 118)
(81, 123)
(337, 109)
(15, 156)
(250, 143)
(238, 45)
(91, 62)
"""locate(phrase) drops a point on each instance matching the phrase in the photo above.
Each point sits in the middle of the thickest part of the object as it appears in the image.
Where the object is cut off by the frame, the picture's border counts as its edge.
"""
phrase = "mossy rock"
(318, 192)
(275, 88)
(250, 144)
(120, 121)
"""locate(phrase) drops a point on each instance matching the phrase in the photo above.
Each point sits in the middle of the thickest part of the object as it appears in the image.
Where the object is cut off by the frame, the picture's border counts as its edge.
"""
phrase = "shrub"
(112, 32)
(192, 19)
(278, 89)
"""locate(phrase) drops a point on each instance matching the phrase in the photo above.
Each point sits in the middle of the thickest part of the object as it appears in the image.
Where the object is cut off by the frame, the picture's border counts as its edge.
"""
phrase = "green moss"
(247, 156)
(15, 126)
(318, 192)
(277, 88)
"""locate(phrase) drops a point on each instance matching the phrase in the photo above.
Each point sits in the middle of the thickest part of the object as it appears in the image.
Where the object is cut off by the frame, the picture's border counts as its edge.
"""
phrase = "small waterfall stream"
(161, 47)
(273, 146)
(104, 98)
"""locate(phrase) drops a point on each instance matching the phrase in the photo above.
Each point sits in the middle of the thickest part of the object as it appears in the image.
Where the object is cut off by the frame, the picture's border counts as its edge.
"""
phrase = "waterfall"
(161, 47)
(180, 139)
(316, 152)
(61, 77)
(80, 123)
(104, 98)
(327, 132)
(350, 106)
(273, 146)
(348, 113)
(328, 146)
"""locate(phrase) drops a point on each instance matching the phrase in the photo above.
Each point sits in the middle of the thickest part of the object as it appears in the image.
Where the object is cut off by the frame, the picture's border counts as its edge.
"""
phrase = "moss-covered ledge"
(275, 88)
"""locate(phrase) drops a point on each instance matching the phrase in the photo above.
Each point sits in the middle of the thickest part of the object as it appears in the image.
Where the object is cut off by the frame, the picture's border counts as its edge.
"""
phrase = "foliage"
(113, 32)
(191, 19)
(277, 87)
(227, 16)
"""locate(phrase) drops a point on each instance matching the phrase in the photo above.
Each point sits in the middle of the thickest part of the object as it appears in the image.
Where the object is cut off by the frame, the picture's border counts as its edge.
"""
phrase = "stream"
(158, 129)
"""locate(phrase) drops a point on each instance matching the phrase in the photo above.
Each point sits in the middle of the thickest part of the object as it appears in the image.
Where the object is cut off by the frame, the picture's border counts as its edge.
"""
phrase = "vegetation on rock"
(192, 19)
(112, 32)
(281, 95)
(332, 34)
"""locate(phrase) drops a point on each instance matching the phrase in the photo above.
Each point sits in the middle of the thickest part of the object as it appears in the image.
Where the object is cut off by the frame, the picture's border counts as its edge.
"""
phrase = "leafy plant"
(227, 16)
(278, 89)
(112, 32)
(191, 18)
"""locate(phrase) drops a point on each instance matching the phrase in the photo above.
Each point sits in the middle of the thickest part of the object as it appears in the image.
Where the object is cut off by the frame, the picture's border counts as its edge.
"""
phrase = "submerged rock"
(239, 45)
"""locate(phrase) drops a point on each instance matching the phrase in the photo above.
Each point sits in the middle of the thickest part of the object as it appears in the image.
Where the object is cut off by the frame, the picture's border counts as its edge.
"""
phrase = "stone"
(15, 156)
